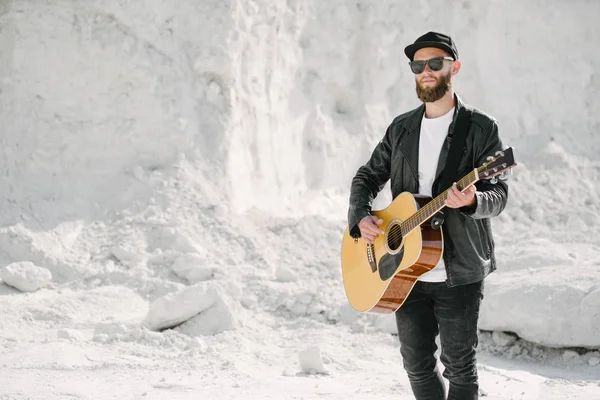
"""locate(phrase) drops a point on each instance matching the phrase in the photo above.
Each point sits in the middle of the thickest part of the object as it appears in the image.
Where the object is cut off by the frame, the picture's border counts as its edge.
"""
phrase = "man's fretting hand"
(457, 199)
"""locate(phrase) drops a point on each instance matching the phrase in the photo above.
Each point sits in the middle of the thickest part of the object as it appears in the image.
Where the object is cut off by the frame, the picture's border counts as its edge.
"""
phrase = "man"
(412, 154)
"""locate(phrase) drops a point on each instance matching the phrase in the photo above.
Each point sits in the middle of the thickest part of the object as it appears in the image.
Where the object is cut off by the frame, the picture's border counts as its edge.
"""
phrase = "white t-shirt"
(433, 135)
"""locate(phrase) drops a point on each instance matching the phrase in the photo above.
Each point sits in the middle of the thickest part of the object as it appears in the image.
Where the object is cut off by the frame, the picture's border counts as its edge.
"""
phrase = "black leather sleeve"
(369, 180)
(491, 198)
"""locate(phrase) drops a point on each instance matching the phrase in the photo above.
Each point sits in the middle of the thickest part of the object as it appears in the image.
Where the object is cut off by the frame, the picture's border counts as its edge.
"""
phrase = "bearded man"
(444, 301)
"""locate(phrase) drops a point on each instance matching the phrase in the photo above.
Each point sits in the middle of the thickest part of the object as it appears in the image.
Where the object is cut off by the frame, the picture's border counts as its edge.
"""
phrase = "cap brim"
(411, 49)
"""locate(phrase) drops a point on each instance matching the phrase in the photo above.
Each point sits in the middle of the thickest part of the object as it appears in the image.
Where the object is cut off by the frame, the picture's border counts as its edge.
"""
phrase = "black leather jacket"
(468, 242)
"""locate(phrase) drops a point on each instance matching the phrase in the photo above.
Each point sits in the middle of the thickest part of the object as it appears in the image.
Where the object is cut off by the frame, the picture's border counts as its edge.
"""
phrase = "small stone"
(503, 339)
(593, 361)
(515, 351)
(193, 268)
(311, 362)
(283, 274)
(570, 355)
(138, 172)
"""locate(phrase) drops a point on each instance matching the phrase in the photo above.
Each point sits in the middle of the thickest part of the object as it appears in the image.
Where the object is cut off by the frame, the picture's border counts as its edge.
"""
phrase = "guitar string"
(411, 222)
(422, 214)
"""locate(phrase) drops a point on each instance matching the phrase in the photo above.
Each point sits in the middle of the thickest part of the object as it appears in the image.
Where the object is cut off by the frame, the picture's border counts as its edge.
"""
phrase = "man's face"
(433, 85)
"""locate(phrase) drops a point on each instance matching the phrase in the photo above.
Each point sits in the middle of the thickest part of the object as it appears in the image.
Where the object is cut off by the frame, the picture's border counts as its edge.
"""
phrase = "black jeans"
(433, 308)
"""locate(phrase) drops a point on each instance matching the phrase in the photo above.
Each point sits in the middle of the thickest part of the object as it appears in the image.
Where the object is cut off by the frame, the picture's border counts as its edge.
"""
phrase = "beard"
(431, 94)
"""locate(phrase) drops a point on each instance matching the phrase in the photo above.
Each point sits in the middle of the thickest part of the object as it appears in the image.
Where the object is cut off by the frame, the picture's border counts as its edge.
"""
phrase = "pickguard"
(388, 264)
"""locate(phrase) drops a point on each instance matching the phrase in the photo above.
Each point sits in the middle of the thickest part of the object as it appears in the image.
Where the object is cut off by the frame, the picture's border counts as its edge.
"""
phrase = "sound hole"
(394, 237)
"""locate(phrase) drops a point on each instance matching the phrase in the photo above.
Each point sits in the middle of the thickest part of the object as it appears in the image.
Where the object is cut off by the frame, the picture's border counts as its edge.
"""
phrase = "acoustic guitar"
(378, 277)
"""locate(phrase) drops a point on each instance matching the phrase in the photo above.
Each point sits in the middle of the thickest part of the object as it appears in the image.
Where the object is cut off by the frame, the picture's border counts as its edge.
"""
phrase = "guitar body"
(379, 277)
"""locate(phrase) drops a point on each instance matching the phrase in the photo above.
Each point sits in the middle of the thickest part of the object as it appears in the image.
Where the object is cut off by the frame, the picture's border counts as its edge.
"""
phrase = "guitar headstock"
(501, 164)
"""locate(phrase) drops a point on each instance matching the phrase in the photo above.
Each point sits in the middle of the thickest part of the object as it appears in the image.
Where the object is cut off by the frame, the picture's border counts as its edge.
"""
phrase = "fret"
(429, 210)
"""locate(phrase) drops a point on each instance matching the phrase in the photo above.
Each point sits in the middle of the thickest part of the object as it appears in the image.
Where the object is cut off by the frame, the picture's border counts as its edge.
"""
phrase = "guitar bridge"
(371, 257)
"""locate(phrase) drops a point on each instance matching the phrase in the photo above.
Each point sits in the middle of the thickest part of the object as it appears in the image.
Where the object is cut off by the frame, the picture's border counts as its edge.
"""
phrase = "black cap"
(432, 39)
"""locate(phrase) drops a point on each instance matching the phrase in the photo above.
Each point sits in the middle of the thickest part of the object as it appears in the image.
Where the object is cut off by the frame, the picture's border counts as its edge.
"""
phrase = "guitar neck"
(435, 205)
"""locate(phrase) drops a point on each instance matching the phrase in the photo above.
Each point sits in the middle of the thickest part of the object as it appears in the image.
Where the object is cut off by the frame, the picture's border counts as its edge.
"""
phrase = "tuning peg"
(499, 153)
(505, 175)
(490, 158)
(494, 180)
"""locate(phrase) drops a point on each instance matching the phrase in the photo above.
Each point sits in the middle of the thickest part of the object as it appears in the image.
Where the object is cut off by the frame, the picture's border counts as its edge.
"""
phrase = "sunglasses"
(435, 64)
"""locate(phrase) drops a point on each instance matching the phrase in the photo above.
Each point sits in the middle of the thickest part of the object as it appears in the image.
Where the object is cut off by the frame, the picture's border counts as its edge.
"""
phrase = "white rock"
(176, 308)
(283, 274)
(593, 361)
(503, 339)
(25, 276)
(311, 362)
(215, 319)
(205, 306)
(570, 355)
(69, 334)
(515, 351)
(127, 257)
(138, 172)
(232, 288)
(193, 268)
(520, 305)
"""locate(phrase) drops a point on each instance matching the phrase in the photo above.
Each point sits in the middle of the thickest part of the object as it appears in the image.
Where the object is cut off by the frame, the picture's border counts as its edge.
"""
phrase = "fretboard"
(429, 210)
